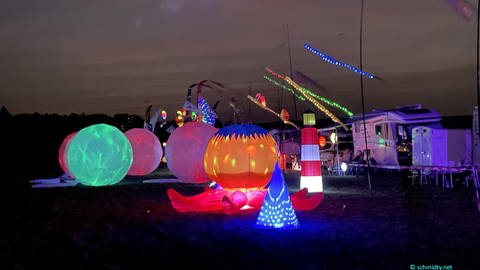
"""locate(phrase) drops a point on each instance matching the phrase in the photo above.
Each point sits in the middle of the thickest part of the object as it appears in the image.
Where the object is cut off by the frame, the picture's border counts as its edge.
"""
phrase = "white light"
(343, 166)
(313, 183)
(333, 137)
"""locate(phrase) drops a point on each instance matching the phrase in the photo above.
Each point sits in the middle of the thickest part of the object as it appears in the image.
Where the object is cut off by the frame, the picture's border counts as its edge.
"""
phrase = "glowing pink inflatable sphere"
(184, 151)
(147, 151)
(63, 153)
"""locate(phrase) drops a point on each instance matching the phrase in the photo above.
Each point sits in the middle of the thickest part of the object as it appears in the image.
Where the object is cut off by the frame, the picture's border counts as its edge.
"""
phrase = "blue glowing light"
(241, 130)
(277, 211)
(334, 61)
(208, 114)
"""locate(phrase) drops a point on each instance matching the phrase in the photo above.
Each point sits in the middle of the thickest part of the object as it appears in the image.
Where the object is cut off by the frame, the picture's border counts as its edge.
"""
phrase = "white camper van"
(389, 133)
(441, 147)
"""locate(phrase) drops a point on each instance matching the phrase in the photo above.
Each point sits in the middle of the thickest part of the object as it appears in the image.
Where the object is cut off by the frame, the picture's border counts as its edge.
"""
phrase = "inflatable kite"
(464, 8)
(204, 110)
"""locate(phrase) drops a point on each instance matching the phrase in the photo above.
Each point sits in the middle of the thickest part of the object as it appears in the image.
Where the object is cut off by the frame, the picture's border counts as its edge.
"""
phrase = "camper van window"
(402, 133)
(378, 130)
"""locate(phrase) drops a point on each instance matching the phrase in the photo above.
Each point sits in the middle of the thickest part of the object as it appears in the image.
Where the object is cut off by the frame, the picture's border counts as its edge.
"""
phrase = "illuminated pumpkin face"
(241, 156)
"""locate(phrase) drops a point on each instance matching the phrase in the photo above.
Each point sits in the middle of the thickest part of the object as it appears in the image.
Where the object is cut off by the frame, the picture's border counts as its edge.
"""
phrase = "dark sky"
(116, 56)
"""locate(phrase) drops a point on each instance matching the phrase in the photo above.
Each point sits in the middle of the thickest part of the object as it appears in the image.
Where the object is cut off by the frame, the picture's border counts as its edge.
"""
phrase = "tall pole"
(249, 104)
(477, 68)
(336, 151)
(291, 73)
(363, 98)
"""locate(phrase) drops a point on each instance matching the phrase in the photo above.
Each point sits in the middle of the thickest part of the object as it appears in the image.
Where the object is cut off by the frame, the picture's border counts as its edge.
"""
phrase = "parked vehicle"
(441, 146)
(389, 132)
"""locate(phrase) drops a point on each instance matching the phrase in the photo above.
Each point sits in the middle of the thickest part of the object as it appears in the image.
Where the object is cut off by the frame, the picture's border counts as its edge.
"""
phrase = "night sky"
(117, 56)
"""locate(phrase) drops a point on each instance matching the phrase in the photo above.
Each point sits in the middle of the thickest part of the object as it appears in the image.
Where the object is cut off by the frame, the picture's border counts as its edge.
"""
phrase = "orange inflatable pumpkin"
(241, 157)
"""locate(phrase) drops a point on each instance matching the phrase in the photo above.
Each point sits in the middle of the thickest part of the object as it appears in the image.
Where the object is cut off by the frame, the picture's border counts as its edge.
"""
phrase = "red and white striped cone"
(311, 174)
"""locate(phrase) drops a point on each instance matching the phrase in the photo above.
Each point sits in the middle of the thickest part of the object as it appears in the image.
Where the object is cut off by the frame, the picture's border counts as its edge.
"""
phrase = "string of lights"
(315, 102)
(208, 114)
(281, 85)
(331, 60)
(254, 100)
(310, 92)
(275, 74)
(329, 102)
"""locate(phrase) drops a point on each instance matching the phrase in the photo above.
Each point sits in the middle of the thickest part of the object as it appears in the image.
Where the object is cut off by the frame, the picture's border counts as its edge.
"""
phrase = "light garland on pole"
(265, 107)
(310, 92)
(289, 89)
(315, 102)
(329, 102)
(327, 58)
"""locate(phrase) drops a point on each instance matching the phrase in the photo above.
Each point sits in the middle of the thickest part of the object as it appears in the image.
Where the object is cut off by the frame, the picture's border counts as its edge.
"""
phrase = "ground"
(132, 226)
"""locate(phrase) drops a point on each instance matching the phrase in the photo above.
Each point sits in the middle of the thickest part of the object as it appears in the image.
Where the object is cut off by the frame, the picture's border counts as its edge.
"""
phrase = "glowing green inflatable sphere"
(99, 155)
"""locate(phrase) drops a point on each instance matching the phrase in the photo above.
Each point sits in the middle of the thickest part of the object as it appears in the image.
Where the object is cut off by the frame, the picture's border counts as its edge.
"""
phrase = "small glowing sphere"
(184, 151)
(147, 151)
(241, 157)
(322, 141)
(99, 155)
(62, 153)
(343, 166)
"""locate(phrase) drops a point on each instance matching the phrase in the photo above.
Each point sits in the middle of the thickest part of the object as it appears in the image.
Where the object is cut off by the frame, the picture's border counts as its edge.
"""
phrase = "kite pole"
(291, 71)
(363, 98)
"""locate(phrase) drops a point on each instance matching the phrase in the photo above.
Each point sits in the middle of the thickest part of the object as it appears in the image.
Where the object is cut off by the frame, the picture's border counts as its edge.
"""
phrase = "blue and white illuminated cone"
(277, 211)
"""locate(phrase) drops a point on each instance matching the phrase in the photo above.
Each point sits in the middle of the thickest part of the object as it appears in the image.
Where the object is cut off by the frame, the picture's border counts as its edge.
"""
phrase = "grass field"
(132, 225)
